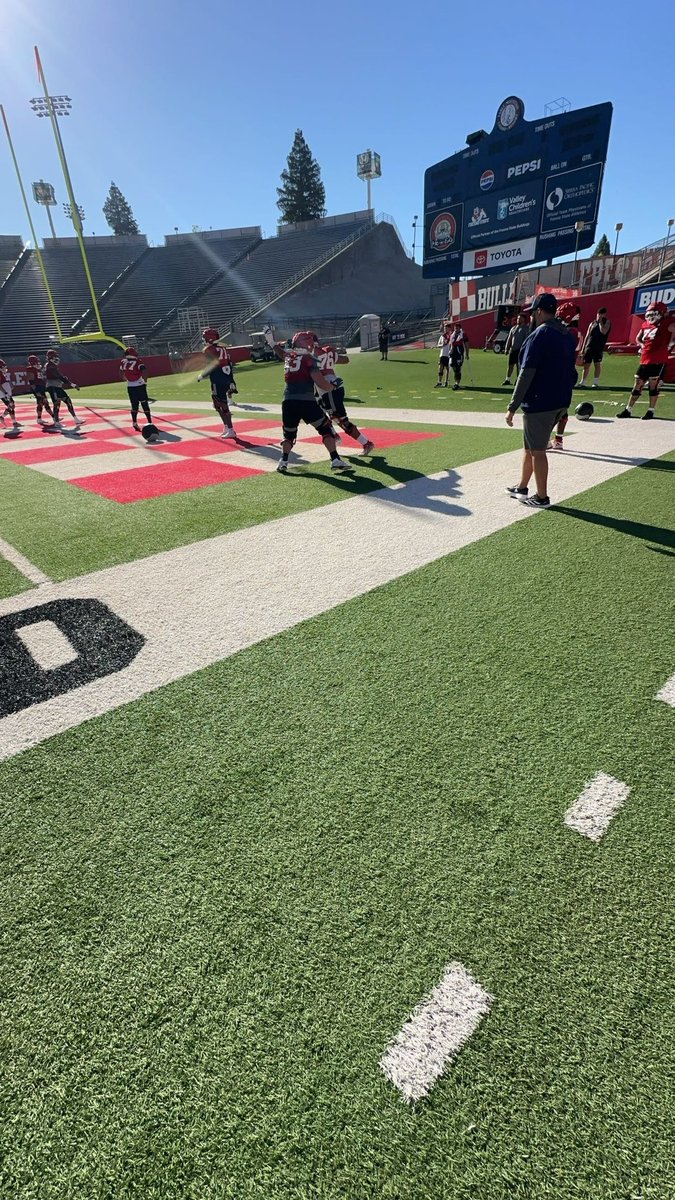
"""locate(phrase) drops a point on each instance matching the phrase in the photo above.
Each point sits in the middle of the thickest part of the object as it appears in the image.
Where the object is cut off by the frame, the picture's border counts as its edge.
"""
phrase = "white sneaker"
(282, 466)
(229, 433)
(339, 465)
(596, 385)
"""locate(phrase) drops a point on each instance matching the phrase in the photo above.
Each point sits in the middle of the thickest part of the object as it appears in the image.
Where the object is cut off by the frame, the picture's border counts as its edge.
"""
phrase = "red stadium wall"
(618, 305)
(107, 370)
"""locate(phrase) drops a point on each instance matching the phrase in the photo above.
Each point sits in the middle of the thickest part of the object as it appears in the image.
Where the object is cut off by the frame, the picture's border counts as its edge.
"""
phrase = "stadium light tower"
(671, 222)
(55, 107)
(617, 229)
(415, 220)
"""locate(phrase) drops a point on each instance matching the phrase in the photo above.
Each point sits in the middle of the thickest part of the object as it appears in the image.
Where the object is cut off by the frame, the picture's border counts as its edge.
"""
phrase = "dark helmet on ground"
(585, 410)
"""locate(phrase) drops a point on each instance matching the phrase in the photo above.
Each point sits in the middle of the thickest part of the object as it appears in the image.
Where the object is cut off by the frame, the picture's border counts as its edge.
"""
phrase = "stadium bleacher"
(274, 261)
(168, 275)
(26, 321)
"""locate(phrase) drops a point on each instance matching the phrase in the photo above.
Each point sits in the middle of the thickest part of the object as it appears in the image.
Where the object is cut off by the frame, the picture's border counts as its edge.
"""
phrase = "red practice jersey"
(133, 370)
(220, 355)
(655, 341)
(36, 376)
(5, 383)
(298, 371)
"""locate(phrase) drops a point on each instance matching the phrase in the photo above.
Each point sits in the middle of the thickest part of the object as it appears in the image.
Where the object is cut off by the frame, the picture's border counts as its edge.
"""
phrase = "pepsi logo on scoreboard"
(528, 182)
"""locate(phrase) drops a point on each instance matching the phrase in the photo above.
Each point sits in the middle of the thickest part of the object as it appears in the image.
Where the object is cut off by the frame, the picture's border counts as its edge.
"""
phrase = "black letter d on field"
(104, 644)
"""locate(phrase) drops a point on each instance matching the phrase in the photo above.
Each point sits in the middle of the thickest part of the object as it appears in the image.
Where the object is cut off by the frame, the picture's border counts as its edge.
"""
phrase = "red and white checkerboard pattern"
(463, 297)
(108, 458)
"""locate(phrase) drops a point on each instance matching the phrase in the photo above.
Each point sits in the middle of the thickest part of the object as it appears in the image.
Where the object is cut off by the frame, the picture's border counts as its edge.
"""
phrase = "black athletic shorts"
(295, 409)
(513, 358)
(593, 355)
(138, 393)
(57, 393)
(650, 371)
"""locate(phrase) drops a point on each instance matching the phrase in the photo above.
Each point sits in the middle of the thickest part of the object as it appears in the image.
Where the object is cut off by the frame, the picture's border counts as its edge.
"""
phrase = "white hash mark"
(435, 1032)
(599, 802)
(667, 693)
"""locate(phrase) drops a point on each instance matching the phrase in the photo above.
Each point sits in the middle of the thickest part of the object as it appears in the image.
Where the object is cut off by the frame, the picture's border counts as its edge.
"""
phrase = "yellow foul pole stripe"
(32, 228)
(69, 189)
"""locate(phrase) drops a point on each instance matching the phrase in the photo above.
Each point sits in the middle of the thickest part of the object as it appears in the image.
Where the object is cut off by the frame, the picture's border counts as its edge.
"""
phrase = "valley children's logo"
(486, 180)
(443, 232)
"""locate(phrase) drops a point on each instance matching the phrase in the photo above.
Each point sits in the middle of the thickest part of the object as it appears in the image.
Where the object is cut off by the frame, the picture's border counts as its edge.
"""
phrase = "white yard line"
(435, 1033)
(598, 804)
(667, 692)
(22, 564)
(198, 604)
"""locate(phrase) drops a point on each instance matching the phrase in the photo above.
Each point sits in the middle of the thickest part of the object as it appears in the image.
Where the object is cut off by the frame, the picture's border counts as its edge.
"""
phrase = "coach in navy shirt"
(543, 390)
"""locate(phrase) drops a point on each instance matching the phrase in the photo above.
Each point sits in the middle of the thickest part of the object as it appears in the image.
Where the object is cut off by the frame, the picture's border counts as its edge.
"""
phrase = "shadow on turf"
(647, 533)
(434, 495)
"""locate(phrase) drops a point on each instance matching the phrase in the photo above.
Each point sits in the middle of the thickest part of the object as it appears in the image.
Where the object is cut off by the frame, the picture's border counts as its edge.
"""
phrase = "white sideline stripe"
(667, 693)
(47, 645)
(600, 801)
(218, 596)
(435, 1032)
(22, 564)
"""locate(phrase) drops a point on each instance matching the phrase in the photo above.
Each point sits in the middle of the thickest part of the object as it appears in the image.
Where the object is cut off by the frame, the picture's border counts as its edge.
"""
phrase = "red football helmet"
(3, 364)
(33, 360)
(567, 312)
(656, 311)
(131, 351)
(211, 335)
(305, 339)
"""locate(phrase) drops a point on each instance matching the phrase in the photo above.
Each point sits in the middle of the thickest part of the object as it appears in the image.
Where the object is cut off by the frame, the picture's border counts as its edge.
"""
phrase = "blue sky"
(192, 109)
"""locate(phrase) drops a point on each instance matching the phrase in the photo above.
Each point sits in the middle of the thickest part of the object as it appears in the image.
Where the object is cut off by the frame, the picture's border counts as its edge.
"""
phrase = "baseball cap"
(545, 301)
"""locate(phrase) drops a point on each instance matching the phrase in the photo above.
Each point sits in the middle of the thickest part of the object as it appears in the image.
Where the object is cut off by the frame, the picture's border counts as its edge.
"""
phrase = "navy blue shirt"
(551, 353)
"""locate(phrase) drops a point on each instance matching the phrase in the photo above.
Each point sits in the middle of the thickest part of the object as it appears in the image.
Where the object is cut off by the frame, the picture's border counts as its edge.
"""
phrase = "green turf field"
(94, 532)
(407, 378)
(221, 902)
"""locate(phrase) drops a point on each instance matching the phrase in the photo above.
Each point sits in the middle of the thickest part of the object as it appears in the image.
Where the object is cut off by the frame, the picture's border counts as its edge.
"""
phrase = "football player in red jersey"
(220, 369)
(133, 373)
(301, 376)
(333, 403)
(38, 383)
(6, 395)
(56, 385)
(656, 339)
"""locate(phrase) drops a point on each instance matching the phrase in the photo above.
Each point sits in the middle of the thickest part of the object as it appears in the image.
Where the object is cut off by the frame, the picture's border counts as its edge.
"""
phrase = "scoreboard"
(515, 195)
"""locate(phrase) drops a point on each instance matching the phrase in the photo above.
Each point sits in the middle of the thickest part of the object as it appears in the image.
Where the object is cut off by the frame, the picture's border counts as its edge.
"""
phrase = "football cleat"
(282, 466)
(368, 448)
(649, 415)
(340, 466)
(625, 412)
(228, 433)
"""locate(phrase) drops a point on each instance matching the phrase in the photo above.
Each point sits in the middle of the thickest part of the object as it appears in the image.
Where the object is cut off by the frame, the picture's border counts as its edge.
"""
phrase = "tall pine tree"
(603, 247)
(302, 196)
(118, 214)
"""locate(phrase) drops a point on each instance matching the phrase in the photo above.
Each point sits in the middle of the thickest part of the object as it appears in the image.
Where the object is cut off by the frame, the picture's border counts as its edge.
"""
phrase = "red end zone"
(184, 464)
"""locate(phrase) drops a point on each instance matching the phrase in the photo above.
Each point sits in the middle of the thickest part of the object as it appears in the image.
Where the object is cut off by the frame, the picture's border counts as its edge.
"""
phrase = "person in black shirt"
(383, 342)
(594, 346)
